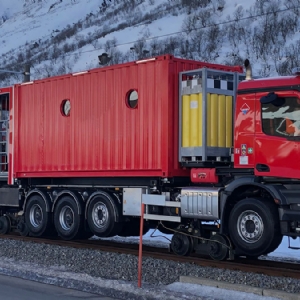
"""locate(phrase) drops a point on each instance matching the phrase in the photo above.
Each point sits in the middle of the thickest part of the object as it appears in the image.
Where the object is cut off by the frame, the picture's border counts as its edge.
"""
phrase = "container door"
(4, 118)
(277, 135)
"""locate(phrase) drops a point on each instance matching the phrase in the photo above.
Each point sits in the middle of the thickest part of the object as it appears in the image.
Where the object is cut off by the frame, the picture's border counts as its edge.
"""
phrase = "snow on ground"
(175, 291)
(157, 239)
(214, 293)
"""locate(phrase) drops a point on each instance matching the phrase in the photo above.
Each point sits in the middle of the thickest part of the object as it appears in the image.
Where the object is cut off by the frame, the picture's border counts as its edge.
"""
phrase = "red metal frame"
(204, 175)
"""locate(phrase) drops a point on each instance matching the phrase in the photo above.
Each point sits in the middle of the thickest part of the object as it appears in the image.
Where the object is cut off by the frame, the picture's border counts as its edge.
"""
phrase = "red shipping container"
(102, 136)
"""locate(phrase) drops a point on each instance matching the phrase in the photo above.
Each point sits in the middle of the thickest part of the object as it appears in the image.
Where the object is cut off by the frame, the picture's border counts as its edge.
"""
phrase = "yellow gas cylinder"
(208, 120)
(221, 121)
(186, 120)
(229, 121)
(214, 120)
(194, 120)
(200, 119)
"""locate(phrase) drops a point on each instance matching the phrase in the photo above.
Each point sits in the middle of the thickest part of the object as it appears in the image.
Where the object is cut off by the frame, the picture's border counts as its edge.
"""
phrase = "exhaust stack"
(248, 69)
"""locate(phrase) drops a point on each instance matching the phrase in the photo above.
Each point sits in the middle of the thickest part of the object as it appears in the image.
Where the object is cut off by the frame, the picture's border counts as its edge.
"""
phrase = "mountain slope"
(62, 36)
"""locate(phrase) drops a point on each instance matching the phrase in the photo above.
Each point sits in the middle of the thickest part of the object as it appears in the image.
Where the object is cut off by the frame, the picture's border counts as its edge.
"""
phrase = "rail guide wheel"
(4, 225)
(22, 227)
(218, 247)
(182, 244)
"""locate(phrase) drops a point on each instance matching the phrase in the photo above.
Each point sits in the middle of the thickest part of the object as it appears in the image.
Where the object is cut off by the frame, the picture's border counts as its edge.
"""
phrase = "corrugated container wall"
(102, 136)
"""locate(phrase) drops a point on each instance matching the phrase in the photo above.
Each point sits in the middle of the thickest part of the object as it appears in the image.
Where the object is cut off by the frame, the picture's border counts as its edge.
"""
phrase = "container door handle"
(262, 168)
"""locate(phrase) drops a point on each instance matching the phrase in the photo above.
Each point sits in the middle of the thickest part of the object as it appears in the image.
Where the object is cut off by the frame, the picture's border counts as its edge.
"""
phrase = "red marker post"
(141, 246)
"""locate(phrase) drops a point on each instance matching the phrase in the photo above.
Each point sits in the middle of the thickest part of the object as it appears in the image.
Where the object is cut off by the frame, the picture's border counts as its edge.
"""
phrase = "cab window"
(281, 119)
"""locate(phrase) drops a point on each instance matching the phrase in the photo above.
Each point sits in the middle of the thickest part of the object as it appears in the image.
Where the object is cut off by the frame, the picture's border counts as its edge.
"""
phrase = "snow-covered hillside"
(62, 36)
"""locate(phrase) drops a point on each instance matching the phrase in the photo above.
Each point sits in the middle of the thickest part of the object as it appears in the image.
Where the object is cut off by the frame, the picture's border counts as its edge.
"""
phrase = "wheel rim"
(100, 215)
(36, 216)
(66, 218)
(250, 226)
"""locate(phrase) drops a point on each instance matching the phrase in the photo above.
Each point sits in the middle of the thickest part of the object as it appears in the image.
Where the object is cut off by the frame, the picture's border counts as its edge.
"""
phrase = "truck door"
(277, 134)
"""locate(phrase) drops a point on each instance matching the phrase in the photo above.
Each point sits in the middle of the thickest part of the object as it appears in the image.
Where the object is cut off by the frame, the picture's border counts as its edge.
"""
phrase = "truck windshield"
(283, 120)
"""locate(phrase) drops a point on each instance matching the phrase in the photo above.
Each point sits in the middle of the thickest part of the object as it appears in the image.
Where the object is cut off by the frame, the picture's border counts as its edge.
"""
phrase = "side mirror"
(273, 99)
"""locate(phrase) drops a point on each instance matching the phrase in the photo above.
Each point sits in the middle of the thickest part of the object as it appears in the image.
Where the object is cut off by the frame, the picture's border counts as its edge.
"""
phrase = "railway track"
(260, 266)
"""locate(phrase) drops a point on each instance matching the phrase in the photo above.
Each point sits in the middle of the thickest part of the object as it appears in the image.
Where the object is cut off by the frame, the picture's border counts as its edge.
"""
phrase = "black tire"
(101, 216)
(37, 219)
(254, 227)
(67, 221)
(275, 244)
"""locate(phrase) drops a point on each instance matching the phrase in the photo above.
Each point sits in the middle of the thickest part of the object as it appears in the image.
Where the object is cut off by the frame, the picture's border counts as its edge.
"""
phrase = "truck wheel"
(67, 221)
(101, 216)
(254, 226)
(37, 219)
(275, 244)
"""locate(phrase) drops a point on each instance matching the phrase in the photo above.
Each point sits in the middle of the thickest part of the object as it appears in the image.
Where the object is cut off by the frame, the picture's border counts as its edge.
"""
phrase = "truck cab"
(248, 186)
(267, 127)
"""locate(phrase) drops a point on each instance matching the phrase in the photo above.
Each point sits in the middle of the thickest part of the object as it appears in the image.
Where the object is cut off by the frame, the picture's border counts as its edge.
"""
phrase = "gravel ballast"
(121, 267)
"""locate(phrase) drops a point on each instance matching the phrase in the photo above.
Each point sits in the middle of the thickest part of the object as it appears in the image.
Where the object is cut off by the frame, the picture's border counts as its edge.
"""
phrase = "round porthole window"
(132, 99)
(66, 107)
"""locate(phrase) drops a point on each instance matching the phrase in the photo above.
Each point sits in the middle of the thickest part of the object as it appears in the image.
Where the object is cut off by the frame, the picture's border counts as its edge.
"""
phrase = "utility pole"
(26, 73)
(104, 59)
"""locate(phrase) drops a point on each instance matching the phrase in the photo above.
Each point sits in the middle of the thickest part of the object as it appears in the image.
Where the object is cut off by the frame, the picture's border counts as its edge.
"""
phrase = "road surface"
(19, 289)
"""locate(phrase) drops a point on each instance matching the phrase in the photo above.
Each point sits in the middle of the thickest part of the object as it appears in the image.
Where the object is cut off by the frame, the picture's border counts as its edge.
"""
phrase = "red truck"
(211, 152)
